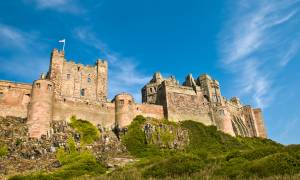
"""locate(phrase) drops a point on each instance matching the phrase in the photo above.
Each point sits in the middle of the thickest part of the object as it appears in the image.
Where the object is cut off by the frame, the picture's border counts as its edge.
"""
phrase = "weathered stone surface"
(170, 136)
(32, 154)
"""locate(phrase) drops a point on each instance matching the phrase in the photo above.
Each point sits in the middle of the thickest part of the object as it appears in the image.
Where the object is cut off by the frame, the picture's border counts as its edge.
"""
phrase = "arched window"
(38, 85)
(82, 92)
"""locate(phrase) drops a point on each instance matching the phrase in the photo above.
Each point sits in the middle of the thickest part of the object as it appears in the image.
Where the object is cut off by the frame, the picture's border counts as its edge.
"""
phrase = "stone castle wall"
(98, 114)
(184, 103)
(14, 98)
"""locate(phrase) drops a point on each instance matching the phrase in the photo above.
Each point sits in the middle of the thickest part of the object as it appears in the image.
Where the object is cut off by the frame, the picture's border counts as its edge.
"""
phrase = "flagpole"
(64, 46)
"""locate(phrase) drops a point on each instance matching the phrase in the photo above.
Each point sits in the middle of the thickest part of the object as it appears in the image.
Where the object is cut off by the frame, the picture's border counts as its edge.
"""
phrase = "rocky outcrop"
(165, 135)
(30, 154)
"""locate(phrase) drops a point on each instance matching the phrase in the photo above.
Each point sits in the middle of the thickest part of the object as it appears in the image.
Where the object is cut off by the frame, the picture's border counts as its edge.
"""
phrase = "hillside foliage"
(88, 132)
(210, 153)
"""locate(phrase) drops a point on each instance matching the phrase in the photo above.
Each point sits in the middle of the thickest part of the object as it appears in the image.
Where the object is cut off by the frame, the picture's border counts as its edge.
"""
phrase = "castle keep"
(74, 89)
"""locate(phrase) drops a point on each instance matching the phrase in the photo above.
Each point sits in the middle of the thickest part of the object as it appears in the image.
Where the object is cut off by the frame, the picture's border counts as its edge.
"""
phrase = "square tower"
(77, 81)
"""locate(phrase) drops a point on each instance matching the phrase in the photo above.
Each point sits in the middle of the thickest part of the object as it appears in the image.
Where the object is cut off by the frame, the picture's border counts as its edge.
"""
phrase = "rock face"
(25, 153)
(164, 135)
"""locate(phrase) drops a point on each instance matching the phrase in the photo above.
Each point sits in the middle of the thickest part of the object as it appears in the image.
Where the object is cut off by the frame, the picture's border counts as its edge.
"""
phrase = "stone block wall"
(150, 110)
(98, 114)
(14, 98)
(260, 123)
(184, 103)
(77, 81)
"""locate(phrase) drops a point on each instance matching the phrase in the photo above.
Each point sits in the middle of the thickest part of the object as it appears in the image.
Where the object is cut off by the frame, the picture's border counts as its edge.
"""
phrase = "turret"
(125, 106)
(211, 89)
(56, 69)
(40, 108)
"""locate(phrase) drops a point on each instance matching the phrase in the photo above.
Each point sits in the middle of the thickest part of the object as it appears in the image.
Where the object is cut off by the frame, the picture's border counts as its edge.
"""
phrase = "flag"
(62, 41)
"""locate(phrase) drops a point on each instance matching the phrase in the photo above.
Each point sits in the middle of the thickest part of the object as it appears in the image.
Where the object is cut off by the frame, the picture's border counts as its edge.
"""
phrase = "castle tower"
(40, 108)
(102, 70)
(124, 106)
(56, 70)
(211, 89)
(150, 90)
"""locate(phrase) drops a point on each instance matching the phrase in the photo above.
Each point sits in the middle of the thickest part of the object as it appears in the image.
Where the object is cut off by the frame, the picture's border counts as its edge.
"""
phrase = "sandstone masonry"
(74, 89)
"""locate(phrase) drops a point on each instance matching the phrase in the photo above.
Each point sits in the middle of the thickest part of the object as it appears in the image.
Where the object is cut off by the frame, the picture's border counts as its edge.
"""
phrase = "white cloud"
(258, 40)
(25, 51)
(68, 6)
(124, 75)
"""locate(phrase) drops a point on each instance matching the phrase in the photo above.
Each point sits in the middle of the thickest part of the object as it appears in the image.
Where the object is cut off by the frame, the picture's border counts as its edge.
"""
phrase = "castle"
(74, 89)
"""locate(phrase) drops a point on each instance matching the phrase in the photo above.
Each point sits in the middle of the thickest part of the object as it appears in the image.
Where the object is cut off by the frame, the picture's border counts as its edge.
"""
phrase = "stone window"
(38, 85)
(49, 87)
(121, 102)
(151, 90)
(129, 102)
(82, 92)
(68, 76)
(1, 94)
(89, 79)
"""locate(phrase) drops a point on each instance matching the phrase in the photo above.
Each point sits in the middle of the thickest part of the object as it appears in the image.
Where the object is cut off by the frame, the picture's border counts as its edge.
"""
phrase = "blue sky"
(251, 47)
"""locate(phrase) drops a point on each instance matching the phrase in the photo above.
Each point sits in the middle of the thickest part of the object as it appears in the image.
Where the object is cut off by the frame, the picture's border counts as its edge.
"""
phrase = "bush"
(276, 164)
(207, 138)
(175, 166)
(135, 140)
(3, 150)
(88, 132)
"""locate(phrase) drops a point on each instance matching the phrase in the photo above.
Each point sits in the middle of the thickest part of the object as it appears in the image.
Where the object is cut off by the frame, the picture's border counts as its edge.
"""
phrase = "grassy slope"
(210, 154)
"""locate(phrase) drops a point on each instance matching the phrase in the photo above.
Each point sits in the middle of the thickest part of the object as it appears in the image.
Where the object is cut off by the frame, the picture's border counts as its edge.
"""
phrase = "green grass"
(88, 132)
(213, 152)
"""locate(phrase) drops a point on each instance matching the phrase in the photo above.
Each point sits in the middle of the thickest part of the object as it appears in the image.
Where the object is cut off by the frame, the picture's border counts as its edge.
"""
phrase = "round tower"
(124, 107)
(40, 108)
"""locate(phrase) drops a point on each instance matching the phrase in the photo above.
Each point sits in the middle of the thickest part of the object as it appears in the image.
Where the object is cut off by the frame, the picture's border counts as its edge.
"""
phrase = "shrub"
(135, 140)
(207, 138)
(88, 132)
(175, 166)
(3, 150)
(276, 164)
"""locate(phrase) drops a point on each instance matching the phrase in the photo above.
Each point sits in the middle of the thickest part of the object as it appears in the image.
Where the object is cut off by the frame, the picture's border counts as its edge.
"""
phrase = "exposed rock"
(165, 135)
(30, 154)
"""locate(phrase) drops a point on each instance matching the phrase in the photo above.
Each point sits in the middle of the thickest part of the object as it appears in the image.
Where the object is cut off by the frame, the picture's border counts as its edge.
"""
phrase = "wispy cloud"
(67, 6)
(287, 128)
(258, 40)
(124, 75)
(25, 51)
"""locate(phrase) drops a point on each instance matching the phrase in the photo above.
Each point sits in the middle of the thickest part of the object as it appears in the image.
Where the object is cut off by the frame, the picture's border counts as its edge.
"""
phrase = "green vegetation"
(3, 150)
(210, 154)
(74, 164)
(135, 140)
(88, 132)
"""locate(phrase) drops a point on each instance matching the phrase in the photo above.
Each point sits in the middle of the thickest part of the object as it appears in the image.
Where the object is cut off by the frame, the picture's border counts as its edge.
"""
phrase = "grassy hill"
(209, 154)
